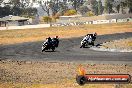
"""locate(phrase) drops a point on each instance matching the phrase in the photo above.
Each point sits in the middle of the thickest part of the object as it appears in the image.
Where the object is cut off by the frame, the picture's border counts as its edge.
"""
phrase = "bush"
(70, 12)
(90, 13)
(47, 19)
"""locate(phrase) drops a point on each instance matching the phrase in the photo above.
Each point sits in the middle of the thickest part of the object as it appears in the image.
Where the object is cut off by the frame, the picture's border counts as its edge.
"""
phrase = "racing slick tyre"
(92, 43)
(83, 45)
(43, 48)
(53, 48)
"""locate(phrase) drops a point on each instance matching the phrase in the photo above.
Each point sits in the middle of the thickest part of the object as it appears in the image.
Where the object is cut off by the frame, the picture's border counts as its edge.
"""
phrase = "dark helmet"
(95, 34)
(49, 38)
(56, 36)
(87, 35)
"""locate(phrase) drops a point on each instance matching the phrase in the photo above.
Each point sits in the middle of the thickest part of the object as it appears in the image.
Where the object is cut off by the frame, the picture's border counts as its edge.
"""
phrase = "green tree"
(17, 8)
(118, 8)
(58, 6)
(90, 13)
(129, 5)
(94, 5)
(16, 11)
(5, 11)
(108, 6)
(29, 12)
(15, 3)
(122, 5)
(83, 10)
(45, 5)
(76, 3)
(100, 7)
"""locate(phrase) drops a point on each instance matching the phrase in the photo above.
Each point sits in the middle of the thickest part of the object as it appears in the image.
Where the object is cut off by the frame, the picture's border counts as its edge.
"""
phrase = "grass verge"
(41, 74)
(30, 35)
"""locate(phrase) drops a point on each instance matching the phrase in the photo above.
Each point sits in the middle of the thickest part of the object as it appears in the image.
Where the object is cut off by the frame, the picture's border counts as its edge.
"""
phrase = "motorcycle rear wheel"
(53, 48)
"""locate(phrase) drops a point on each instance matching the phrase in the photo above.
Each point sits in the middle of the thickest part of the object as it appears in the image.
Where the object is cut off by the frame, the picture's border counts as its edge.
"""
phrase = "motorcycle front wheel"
(83, 45)
(43, 48)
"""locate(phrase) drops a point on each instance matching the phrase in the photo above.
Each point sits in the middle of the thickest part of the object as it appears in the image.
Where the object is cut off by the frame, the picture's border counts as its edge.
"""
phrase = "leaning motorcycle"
(46, 46)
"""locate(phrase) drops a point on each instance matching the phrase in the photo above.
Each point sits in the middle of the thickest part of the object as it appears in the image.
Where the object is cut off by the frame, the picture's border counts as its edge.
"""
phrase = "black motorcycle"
(48, 46)
(52, 45)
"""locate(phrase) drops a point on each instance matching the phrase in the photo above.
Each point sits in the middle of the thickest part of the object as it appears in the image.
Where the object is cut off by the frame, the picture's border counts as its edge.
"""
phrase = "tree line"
(17, 8)
(57, 8)
(96, 7)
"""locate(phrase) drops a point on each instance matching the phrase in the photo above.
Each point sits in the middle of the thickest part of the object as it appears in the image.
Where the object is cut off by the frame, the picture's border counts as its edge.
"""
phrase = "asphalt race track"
(68, 50)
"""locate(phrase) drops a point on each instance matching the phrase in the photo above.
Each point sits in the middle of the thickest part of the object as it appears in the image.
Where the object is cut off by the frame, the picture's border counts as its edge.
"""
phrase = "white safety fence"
(25, 27)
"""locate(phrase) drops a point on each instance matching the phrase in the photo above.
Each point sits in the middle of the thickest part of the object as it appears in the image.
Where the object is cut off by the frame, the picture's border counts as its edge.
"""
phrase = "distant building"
(101, 19)
(67, 19)
(13, 21)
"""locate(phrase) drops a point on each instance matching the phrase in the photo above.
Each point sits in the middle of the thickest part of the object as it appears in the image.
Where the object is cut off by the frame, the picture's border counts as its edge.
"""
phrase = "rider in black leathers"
(48, 41)
(55, 41)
